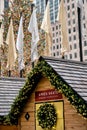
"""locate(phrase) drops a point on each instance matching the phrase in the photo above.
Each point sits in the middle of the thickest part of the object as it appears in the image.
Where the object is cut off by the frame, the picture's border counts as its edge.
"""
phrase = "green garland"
(43, 69)
(47, 116)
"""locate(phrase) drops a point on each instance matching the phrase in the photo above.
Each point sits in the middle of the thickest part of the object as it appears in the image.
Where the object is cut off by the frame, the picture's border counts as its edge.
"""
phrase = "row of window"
(59, 47)
(57, 27)
(74, 46)
(59, 40)
(69, 22)
(70, 56)
(72, 6)
(66, 56)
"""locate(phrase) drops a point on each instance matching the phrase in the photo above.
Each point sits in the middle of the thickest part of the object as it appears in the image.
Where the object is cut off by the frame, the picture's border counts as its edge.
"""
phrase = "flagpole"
(9, 71)
(0, 53)
(80, 36)
(32, 5)
(21, 71)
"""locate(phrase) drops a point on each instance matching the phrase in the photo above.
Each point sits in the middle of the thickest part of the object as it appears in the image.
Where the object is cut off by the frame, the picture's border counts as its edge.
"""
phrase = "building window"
(67, 1)
(85, 43)
(6, 4)
(53, 47)
(69, 22)
(60, 45)
(69, 30)
(53, 34)
(70, 47)
(57, 53)
(56, 34)
(56, 27)
(73, 5)
(60, 39)
(59, 32)
(83, 17)
(57, 40)
(53, 54)
(74, 29)
(70, 38)
(85, 52)
(53, 28)
(73, 13)
(75, 46)
(74, 37)
(57, 46)
(68, 7)
(68, 15)
(53, 41)
(73, 21)
(70, 56)
(84, 25)
(75, 55)
(66, 57)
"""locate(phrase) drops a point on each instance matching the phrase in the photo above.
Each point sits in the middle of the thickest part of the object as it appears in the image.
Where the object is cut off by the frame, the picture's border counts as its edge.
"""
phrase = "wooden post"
(80, 36)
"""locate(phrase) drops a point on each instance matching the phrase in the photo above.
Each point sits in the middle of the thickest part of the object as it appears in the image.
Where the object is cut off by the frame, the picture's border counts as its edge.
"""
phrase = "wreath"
(47, 116)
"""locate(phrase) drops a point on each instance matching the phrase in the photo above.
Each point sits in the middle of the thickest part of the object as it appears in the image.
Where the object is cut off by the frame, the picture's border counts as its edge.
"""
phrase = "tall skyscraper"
(73, 22)
(4, 4)
(41, 5)
(73, 33)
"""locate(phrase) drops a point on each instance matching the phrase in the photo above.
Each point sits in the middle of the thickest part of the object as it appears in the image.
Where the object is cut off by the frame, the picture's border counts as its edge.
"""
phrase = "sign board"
(47, 95)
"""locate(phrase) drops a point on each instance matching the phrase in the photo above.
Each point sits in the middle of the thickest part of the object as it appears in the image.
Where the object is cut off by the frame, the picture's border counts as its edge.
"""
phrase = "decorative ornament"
(27, 116)
(47, 116)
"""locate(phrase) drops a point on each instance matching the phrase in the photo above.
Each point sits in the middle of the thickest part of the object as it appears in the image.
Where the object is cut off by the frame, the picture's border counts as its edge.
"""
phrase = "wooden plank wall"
(8, 127)
(73, 121)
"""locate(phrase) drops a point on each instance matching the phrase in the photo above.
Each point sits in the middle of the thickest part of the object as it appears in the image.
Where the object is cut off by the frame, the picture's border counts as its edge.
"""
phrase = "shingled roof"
(72, 72)
(70, 77)
(9, 89)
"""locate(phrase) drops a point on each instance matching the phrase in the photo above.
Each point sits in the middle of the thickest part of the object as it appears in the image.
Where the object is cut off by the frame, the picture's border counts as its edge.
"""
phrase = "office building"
(41, 5)
(72, 29)
(4, 4)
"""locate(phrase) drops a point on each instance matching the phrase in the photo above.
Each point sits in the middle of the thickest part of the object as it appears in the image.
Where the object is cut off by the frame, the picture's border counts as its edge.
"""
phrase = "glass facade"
(6, 4)
(41, 5)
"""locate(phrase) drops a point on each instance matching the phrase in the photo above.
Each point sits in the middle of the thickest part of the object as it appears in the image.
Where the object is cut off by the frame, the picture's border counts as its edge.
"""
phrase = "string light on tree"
(16, 7)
